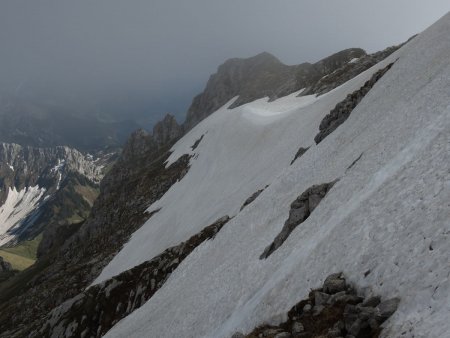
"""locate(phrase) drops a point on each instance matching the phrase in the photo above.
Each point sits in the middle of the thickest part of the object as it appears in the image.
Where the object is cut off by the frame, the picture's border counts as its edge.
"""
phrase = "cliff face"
(167, 130)
(260, 76)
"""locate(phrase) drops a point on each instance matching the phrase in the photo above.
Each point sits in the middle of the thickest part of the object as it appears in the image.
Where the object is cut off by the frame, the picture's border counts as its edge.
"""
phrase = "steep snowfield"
(388, 216)
(18, 205)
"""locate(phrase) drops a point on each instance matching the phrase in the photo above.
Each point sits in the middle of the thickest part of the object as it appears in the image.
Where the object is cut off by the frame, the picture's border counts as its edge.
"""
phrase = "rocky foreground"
(335, 311)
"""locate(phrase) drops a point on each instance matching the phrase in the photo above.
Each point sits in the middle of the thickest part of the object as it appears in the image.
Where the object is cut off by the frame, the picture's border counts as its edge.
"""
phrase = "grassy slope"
(23, 255)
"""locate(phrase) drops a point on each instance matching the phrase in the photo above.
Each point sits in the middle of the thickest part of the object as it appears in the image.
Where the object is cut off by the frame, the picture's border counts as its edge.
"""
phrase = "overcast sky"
(151, 56)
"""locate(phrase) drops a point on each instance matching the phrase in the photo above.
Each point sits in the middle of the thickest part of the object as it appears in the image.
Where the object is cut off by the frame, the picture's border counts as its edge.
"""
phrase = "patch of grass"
(22, 255)
(18, 262)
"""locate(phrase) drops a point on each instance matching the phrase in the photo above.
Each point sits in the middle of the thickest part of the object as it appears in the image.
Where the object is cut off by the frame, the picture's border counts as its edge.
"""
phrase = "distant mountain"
(46, 189)
(37, 124)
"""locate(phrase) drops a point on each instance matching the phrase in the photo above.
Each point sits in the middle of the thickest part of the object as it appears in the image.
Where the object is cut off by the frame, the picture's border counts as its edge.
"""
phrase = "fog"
(140, 59)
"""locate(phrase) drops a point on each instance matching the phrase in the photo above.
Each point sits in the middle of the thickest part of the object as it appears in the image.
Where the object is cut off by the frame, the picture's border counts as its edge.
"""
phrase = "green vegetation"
(22, 255)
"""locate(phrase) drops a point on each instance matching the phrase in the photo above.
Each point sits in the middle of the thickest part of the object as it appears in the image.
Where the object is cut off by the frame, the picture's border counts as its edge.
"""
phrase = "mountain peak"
(166, 130)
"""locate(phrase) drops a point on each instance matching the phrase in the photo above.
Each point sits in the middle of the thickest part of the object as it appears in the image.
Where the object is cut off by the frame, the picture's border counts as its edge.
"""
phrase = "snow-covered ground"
(388, 215)
(18, 205)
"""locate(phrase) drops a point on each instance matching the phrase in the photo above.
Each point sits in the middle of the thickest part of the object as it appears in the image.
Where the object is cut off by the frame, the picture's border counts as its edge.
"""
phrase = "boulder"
(334, 283)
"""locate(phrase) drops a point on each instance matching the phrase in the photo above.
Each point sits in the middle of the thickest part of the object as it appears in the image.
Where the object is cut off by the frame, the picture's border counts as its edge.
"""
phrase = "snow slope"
(388, 214)
(18, 205)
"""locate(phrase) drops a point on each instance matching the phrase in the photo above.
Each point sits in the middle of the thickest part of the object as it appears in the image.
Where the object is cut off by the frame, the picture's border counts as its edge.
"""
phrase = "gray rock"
(271, 332)
(307, 308)
(321, 298)
(283, 335)
(300, 211)
(388, 307)
(238, 335)
(251, 198)
(297, 327)
(372, 301)
(334, 283)
(355, 327)
(350, 315)
(299, 153)
(336, 297)
(317, 309)
(365, 313)
(346, 298)
(340, 113)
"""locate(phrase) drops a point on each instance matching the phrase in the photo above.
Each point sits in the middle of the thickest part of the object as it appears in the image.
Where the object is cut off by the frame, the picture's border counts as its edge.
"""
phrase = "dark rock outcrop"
(301, 208)
(197, 142)
(253, 197)
(166, 130)
(299, 153)
(96, 310)
(343, 109)
(339, 314)
(257, 77)
(348, 71)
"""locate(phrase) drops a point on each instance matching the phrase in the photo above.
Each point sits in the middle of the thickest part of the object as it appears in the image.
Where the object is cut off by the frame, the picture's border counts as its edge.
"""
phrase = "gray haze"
(140, 59)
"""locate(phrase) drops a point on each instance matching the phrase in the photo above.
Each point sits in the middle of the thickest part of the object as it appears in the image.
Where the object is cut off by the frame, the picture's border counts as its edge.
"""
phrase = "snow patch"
(18, 205)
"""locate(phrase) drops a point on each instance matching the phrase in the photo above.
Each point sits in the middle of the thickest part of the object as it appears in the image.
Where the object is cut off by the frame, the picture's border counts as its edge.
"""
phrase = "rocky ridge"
(343, 109)
(257, 77)
(93, 312)
(335, 310)
(300, 210)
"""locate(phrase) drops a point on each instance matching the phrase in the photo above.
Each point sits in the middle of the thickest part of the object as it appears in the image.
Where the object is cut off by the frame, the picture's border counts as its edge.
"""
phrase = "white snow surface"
(388, 214)
(18, 205)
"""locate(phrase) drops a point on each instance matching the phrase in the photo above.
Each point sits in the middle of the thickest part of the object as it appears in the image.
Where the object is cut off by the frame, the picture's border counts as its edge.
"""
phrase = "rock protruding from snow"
(253, 197)
(97, 309)
(301, 208)
(343, 109)
(348, 71)
(299, 153)
(337, 314)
